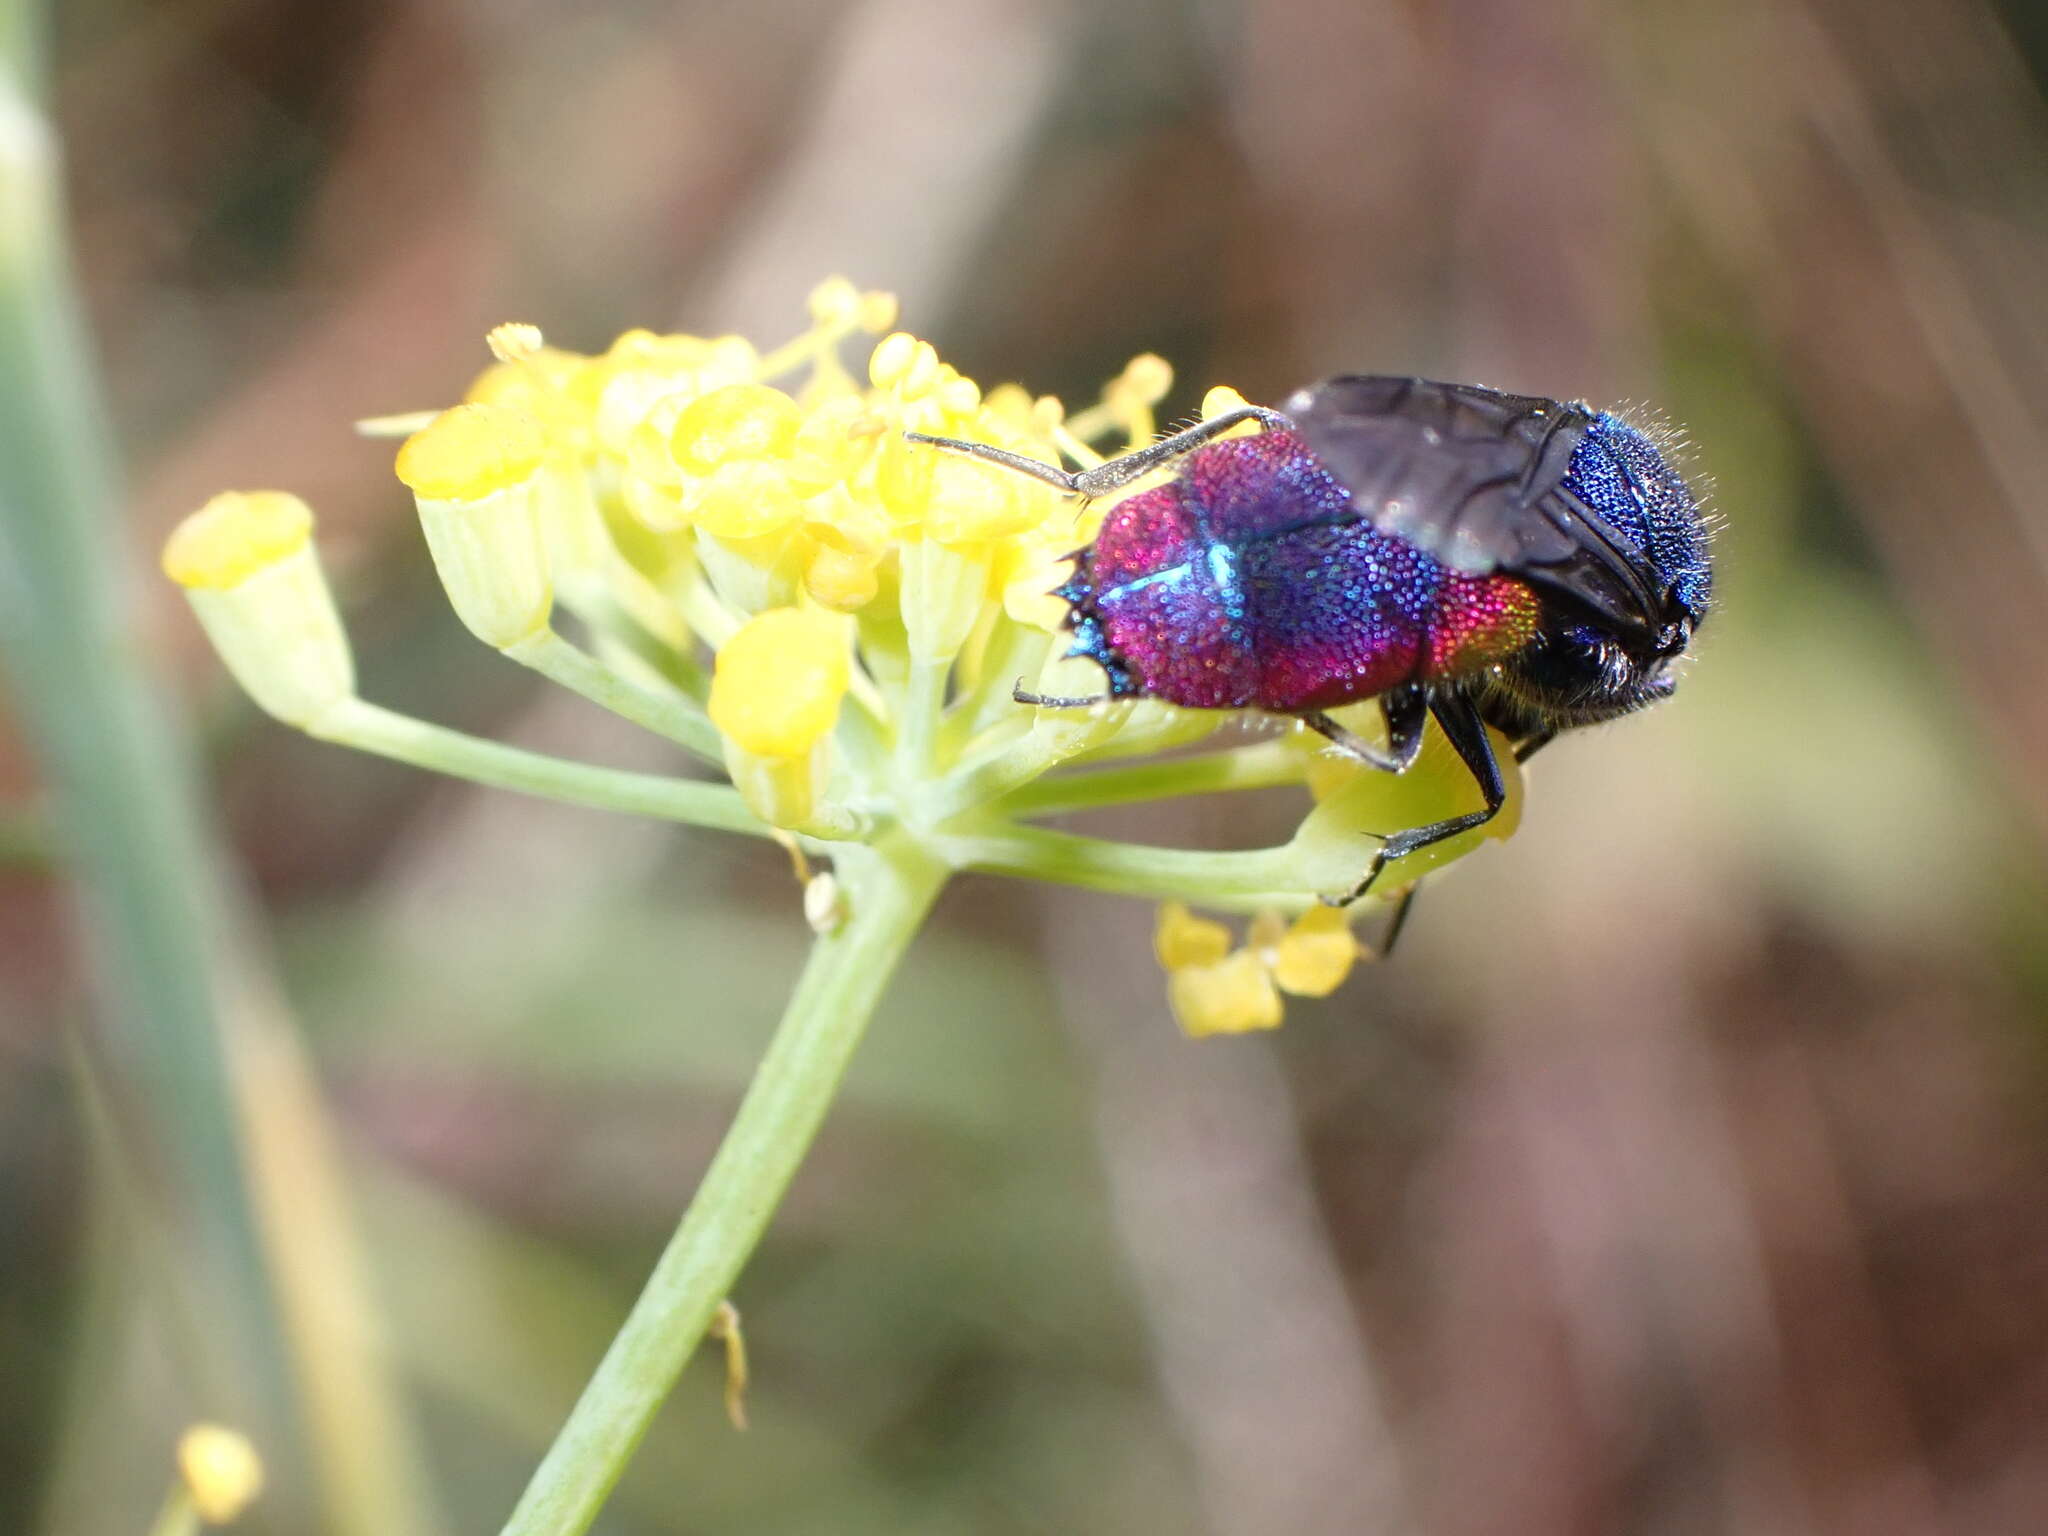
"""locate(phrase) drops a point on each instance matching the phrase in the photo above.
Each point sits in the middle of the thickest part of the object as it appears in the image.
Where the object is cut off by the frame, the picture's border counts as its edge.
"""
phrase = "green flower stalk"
(741, 552)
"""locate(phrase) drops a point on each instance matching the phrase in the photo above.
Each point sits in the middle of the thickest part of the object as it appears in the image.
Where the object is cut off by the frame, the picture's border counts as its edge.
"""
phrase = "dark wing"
(1475, 478)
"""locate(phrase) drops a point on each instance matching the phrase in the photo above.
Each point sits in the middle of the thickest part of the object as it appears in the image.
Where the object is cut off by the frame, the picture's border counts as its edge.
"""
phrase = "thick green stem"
(888, 888)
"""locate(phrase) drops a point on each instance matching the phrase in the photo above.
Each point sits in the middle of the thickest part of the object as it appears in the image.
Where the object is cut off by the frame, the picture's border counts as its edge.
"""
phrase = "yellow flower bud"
(747, 499)
(1231, 997)
(1315, 954)
(904, 475)
(249, 569)
(973, 503)
(842, 579)
(474, 475)
(470, 451)
(221, 1471)
(778, 682)
(234, 536)
(782, 791)
(741, 421)
(1181, 939)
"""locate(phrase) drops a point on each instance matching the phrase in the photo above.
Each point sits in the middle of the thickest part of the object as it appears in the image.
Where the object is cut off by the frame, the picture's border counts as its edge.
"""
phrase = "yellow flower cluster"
(1218, 989)
(867, 603)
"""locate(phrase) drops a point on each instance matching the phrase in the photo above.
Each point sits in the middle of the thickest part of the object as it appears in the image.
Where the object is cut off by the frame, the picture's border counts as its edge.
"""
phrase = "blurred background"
(1685, 1172)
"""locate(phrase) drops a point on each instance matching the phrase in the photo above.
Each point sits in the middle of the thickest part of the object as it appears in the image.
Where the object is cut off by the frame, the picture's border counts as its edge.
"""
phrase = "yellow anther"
(1048, 414)
(892, 358)
(923, 376)
(1315, 954)
(1181, 939)
(729, 360)
(740, 421)
(470, 451)
(834, 302)
(877, 311)
(235, 535)
(1222, 400)
(905, 365)
(959, 395)
(514, 341)
(1009, 406)
(777, 684)
(1231, 997)
(221, 1471)
(1146, 379)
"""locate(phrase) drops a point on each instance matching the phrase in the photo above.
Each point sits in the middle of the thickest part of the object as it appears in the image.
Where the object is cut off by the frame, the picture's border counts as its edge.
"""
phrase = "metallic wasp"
(1450, 550)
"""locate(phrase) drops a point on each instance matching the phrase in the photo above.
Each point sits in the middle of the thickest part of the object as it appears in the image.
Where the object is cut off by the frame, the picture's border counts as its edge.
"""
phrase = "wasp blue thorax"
(1453, 551)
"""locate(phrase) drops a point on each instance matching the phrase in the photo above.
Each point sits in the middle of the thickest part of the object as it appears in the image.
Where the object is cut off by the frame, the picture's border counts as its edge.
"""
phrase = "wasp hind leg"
(1113, 474)
(1466, 733)
(1406, 712)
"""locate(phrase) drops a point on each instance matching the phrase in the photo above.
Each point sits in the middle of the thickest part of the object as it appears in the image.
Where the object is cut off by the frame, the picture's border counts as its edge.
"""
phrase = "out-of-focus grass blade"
(121, 797)
(157, 909)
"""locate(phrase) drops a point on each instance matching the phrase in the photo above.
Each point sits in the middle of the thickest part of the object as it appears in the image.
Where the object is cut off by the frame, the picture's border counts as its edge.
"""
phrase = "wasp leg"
(1122, 470)
(1467, 735)
(1403, 905)
(1057, 701)
(1529, 746)
(1406, 711)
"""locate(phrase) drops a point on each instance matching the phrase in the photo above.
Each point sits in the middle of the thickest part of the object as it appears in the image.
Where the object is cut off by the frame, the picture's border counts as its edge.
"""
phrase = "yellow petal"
(1315, 955)
(1231, 997)
(1181, 939)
